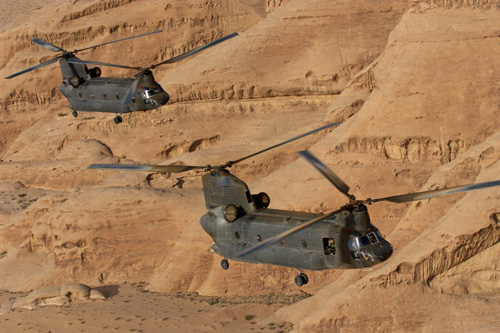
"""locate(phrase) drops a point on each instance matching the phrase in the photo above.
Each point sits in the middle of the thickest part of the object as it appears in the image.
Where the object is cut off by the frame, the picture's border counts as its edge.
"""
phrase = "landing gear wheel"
(304, 278)
(74, 113)
(299, 280)
(224, 264)
(118, 119)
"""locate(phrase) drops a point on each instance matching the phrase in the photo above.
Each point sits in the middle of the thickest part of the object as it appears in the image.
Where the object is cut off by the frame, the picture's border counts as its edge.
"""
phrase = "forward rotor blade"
(434, 193)
(47, 45)
(152, 168)
(133, 88)
(43, 64)
(190, 53)
(282, 143)
(89, 62)
(116, 41)
(271, 240)
(326, 172)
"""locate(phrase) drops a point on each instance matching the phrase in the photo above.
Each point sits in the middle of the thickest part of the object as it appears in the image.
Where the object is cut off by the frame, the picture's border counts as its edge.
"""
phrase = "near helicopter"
(86, 90)
(245, 229)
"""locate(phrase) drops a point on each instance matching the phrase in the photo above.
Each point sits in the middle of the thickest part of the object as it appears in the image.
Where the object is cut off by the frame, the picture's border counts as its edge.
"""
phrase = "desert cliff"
(415, 84)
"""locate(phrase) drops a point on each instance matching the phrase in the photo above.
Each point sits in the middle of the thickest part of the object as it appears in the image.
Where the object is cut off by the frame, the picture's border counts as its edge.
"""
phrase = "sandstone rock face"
(415, 83)
(55, 295)
(424, 86)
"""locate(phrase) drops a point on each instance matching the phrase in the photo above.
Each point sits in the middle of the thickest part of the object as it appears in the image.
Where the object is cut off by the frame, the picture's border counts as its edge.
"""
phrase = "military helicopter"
(243, 228)
(86, 90)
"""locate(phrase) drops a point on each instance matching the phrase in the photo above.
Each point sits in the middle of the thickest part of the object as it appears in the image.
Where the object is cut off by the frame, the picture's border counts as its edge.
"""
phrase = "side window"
(329, 246)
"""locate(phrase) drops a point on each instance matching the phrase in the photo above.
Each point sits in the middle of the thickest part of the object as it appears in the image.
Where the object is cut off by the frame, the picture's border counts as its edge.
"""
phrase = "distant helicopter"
(86, 90)
(244, 229)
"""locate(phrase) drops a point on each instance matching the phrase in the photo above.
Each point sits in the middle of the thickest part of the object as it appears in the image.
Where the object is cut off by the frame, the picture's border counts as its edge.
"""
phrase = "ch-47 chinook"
(86, 90)
(245, 229)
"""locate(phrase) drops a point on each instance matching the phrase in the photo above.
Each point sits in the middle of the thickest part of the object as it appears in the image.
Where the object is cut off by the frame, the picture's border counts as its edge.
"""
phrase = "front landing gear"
(118, 119)
(301, 279)
(74, 113)
(224, 264)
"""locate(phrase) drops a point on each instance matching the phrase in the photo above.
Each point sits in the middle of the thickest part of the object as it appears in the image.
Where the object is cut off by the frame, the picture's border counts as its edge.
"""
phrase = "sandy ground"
(130, 308)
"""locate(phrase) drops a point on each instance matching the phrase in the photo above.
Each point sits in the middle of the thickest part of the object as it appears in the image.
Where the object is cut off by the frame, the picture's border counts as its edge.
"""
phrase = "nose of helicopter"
(383, 251)
(163, 98)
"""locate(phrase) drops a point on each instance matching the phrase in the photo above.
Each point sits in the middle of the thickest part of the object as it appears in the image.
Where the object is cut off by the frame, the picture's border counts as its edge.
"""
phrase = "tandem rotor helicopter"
(243, 228)
(86, 90)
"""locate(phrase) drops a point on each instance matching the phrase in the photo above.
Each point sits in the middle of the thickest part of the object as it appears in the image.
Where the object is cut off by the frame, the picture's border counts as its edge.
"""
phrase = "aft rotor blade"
(47, 45)
(97, 63)
(271, 240)
(190, 53)
(282, 143)
(152, 168)
(326, 172)
(435, 193)
(116, 41)
(43, 64)
(133, 88)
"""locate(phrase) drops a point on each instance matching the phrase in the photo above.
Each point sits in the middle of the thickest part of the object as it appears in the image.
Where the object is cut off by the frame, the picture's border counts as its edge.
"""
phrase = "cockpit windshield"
(358, 241)
(363, 241)
(149, 95)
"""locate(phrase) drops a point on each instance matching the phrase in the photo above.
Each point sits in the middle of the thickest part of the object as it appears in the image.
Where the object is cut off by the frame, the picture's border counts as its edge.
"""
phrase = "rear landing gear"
(301, 279)
(224, 264)
(118, 119)
(74, 113)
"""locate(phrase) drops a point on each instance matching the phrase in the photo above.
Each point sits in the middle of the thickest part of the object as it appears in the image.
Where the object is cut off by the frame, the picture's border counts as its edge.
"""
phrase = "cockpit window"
(148, 95)
(363, 241)
(358, 241)
(372, 237)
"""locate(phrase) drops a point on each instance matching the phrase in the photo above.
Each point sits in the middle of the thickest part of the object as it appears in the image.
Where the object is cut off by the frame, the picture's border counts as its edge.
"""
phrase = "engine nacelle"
(262, 200)
(229, 213)
(95, 72)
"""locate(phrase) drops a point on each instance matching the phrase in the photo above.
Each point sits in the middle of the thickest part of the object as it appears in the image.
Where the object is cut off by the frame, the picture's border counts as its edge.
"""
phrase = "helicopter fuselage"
(87, 91)
(243, 229)
(346, 240)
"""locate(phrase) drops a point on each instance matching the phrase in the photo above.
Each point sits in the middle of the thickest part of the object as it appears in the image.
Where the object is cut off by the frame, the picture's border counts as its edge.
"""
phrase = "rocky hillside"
(415, 83)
